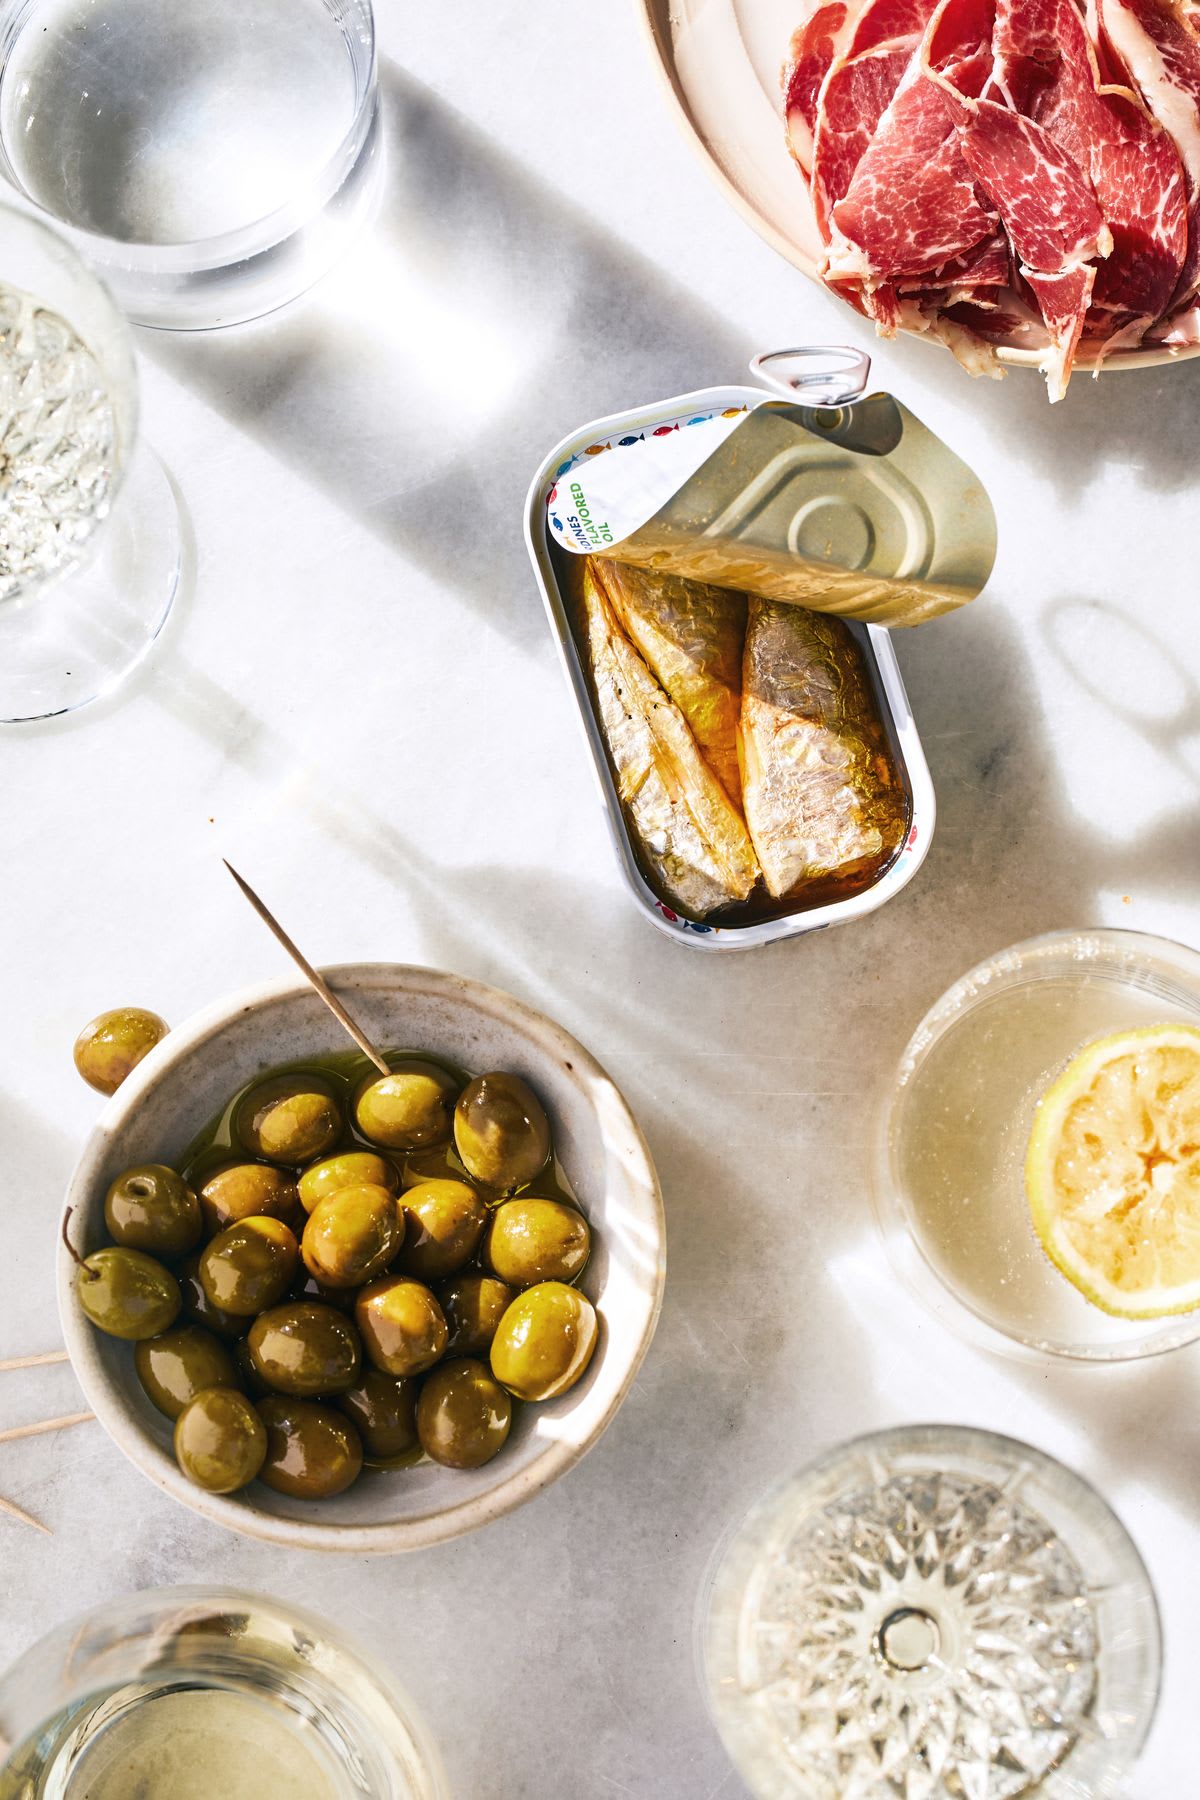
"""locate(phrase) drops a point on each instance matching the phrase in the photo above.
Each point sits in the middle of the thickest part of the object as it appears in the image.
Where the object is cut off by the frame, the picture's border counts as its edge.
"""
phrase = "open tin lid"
(827, 497)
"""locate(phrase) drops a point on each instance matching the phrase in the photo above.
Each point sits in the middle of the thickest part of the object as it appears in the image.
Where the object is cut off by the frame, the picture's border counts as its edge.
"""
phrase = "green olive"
(406, 1110)
(152, 1208)
(313, 1451)
(531, 1239)
(352, 1236)
(305, 1348)
(249, 1266)
(246, 1191)
(474, 1305)
(441, 1163)
(199, 1309)
(501, 1131)
(112, 1046)
(248, 1374)
(220, 1441)
(307, 1287)
(383, 1410)
(544, 1342)
(351, 1168)
(176, 1366)
(288, 1119)
(443, 1223)
(402, 1326)
(127, 1294)
(463, 1415)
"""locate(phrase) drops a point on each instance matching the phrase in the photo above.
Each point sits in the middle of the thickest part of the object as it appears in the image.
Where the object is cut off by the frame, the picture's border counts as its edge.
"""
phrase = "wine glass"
(89, 529)
(934, 1611)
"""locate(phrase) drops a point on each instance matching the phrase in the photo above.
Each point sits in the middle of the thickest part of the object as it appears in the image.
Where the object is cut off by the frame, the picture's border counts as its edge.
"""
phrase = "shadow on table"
(1141, 419)
(422, 382)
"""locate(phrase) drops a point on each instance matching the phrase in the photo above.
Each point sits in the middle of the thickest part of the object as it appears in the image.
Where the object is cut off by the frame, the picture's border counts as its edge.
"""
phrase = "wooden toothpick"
(317, 982)
(26, 1431)
(33, 1362)
(13, 1511)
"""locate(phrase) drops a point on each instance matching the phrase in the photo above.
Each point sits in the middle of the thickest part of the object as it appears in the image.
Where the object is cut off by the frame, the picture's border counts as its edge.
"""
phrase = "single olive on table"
(111, 1046)
(348, 1269)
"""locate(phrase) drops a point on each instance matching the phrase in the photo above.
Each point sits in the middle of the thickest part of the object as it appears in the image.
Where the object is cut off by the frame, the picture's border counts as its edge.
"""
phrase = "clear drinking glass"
(89, 528)
(949, 1166)
(936, 1612)
(187, 1693)
(210, 159)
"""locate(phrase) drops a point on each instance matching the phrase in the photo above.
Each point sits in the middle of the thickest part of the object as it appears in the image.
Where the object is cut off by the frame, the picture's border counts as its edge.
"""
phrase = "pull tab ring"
(821, 374)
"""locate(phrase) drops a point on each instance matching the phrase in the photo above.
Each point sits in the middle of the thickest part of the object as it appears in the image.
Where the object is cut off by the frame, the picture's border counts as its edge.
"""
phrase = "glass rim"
(130, 1631)
(196, 255)
(902, 1245)
(815, 1484)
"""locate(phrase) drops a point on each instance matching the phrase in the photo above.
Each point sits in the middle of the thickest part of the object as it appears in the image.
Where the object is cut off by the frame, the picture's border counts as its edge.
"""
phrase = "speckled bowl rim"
(444, 1523)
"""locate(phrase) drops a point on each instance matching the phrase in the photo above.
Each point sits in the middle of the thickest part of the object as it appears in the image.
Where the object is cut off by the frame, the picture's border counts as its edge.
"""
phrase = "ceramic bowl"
(186, 1080)
(720, 61)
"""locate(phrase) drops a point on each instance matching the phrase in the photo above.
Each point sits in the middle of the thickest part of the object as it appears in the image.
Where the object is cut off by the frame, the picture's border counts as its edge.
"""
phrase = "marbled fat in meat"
(1046, 68)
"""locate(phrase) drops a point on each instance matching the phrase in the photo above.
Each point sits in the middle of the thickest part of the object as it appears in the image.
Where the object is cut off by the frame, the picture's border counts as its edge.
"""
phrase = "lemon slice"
(1112, 1172)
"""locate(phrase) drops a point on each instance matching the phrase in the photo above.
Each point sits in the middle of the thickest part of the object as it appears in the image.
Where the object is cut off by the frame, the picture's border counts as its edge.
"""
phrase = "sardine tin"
(874, 640)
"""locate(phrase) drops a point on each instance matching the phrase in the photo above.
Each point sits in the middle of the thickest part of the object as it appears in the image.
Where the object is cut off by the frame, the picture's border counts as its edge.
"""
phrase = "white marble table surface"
(359, 703)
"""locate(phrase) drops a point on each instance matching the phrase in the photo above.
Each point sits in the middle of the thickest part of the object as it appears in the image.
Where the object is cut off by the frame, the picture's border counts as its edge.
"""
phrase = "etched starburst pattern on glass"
(929, 1637)
(57, 443)
(931, 1614)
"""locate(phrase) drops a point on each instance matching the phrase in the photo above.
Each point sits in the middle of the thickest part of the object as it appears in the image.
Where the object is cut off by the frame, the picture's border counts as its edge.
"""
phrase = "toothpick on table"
(33, 1362)
(13, 1511)
(26, 1431)
(317, 982)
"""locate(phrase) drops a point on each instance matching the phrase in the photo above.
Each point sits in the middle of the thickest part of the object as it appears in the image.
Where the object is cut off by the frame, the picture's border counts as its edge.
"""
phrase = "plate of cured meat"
(1018, 180)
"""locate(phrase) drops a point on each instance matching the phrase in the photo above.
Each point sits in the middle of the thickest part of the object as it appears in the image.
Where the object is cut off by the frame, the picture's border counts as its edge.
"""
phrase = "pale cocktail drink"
(951, 1187)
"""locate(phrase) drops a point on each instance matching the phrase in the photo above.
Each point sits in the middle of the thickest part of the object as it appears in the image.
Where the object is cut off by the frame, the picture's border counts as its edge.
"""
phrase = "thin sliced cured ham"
(1157, 46)
(856, 91)
(1007, 170)
(816, 44)
(912, 205)
(1047, 68)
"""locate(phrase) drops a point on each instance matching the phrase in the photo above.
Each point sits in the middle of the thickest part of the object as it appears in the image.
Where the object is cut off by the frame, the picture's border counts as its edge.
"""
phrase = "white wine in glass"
(89, 527)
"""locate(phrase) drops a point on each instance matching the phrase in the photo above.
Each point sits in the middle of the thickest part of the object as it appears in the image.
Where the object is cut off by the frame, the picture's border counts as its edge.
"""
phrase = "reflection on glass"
(188, 1693)
(89, 530)
(932, 1611)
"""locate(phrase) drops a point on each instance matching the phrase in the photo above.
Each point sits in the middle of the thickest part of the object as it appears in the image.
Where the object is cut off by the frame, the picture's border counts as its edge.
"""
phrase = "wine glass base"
(932, 1610)
(79, 637)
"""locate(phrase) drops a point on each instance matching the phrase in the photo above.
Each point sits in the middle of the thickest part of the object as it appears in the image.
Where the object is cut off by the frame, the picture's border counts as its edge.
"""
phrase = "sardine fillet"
(821, 794)
(691, 636)
(691, 837)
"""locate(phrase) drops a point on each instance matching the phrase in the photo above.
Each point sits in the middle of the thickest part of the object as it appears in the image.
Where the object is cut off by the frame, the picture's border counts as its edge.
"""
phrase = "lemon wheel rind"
(1159, 1303)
